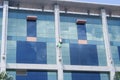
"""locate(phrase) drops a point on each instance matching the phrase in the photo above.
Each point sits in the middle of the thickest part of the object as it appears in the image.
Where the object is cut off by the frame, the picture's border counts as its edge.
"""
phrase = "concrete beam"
(4, 36)
(57, 36)
(86, 68)
(31, 66)
(54, 67)
(110, 62)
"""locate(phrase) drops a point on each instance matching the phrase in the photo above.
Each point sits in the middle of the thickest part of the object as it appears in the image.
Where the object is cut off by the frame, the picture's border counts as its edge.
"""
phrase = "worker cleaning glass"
(59, 43)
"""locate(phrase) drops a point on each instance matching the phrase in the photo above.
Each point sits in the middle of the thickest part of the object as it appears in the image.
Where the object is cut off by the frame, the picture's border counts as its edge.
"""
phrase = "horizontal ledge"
(65, 67)
(87, 68)
(32, 66)
(69, 12)
(30, 9)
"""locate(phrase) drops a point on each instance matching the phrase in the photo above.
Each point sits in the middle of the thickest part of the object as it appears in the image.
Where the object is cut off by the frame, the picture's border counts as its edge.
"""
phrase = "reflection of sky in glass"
(115, 2)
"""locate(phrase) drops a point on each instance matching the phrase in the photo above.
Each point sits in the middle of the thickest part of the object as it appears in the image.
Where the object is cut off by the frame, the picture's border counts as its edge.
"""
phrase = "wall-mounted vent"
(80, 21)
(31, 17)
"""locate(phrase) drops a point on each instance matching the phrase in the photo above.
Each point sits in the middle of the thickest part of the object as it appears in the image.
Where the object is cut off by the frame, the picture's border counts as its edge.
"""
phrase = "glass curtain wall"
(31, 40)
(82, 43)
(114, 31)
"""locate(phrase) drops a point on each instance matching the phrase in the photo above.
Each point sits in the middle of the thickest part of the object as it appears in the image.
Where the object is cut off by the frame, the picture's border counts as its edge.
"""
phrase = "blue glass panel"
(113, 21)
(9, 37)
(31, 28)
(19, 38)
(20, 77)
(65, 40)
(37, 75)
(81, 32)
(50, 40)
(114, 43)
(74, 52)
(73, 41)
(85, 76)
(67, 76)
(41, 56)
(52, 76)
(31, 52)
(83, 54)
(94, 42)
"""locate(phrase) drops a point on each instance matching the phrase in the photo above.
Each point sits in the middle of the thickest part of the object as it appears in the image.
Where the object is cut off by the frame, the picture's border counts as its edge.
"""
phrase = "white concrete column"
(57, 36)
(4, 36)
(110, 62)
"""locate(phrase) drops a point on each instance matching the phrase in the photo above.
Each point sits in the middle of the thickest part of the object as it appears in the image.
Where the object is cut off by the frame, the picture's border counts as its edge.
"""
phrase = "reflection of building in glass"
(63, 40)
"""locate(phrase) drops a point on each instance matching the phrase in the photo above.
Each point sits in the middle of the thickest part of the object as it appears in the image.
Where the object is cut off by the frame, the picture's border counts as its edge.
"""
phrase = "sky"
(114, 2)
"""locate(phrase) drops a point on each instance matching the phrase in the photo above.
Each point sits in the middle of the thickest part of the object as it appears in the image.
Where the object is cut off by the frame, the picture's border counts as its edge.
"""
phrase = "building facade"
(59, 40)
